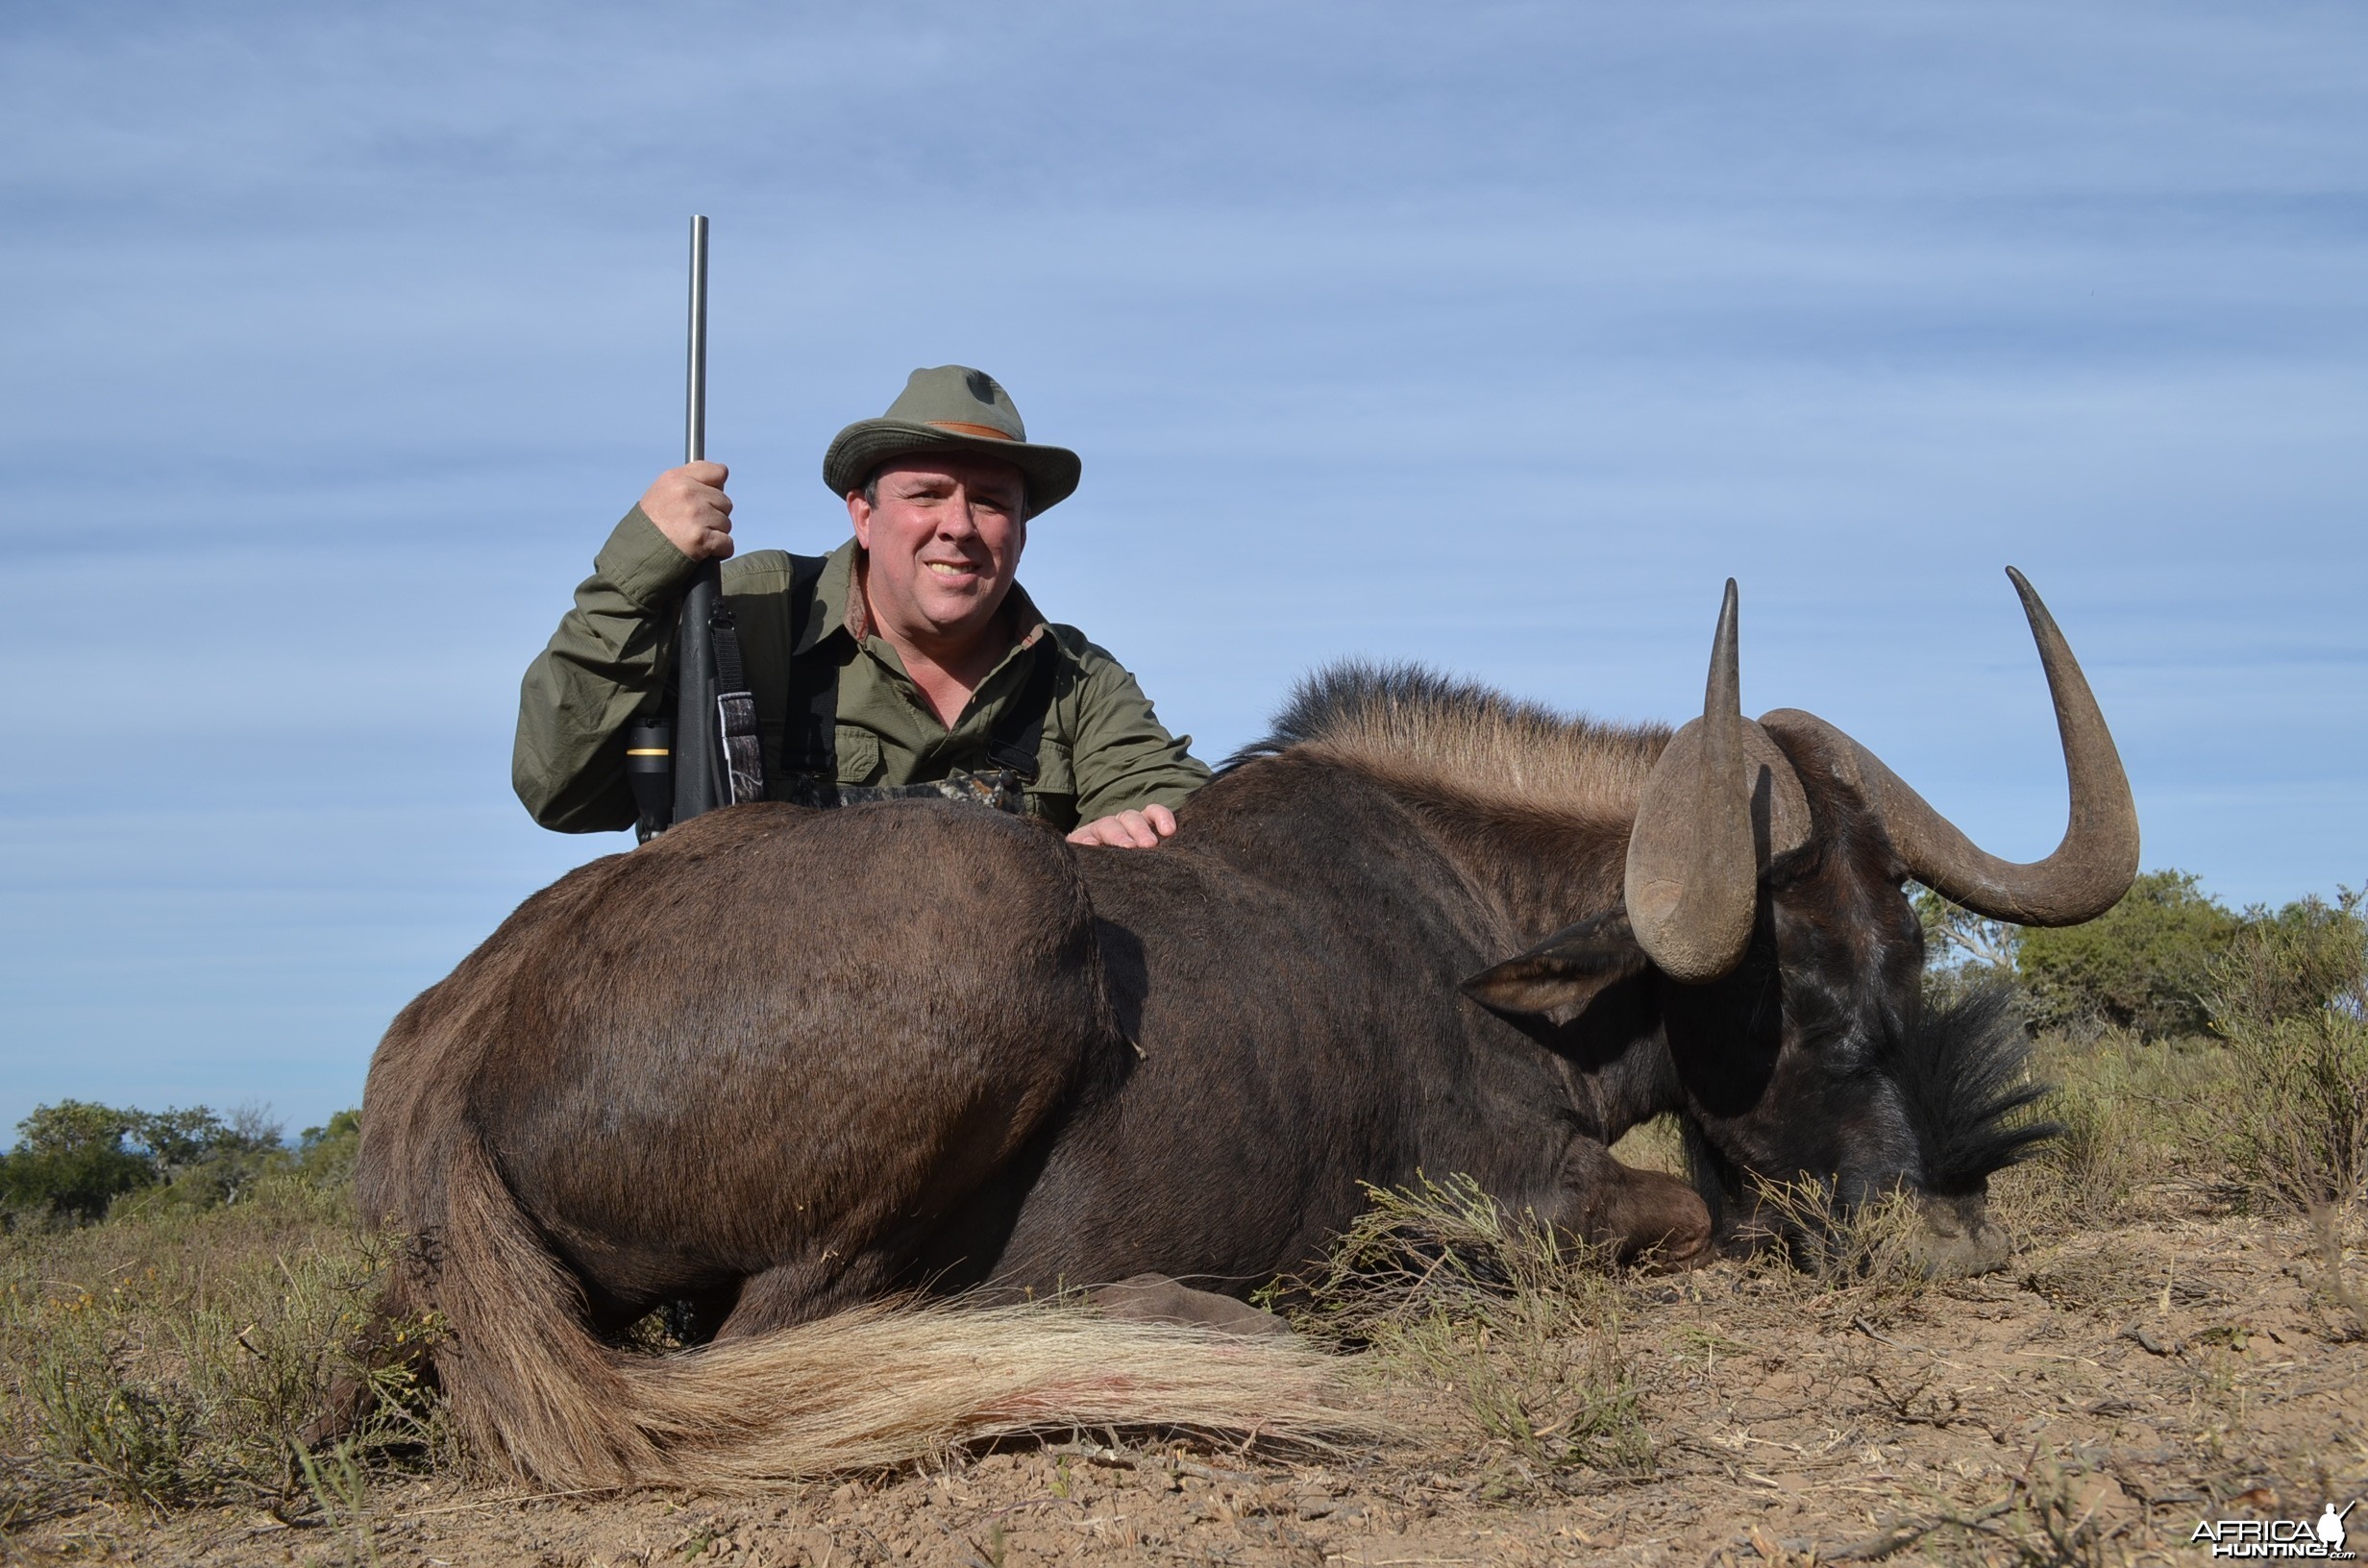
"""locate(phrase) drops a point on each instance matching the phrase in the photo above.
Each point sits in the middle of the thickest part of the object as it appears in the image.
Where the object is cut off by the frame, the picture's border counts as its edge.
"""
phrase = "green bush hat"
(952, 408)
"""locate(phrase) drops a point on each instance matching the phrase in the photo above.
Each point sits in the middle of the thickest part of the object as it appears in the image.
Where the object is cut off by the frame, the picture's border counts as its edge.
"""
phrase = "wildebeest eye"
(1567, 970)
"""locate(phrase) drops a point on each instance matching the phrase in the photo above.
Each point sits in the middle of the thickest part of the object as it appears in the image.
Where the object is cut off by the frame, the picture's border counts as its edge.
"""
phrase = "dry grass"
(2137, 1114)
(1818, 1246)
(2269, 1116)
(1522, 1325)
(172, 1358)
(1749, 1413)
(2297, 1123)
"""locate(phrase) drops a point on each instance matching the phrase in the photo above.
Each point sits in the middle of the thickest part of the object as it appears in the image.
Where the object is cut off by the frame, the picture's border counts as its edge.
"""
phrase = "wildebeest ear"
(1565, 970)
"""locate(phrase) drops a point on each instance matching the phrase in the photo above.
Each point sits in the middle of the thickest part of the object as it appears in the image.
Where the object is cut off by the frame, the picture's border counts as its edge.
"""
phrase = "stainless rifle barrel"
(695, 422)
(699, 761)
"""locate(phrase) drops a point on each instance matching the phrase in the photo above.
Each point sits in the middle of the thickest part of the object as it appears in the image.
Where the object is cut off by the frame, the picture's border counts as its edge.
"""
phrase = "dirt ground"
(2091, 1404)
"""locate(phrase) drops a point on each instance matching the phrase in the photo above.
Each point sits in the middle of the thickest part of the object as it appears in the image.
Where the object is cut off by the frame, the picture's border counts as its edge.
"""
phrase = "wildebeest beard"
(789, 1060)
(1965, 1101)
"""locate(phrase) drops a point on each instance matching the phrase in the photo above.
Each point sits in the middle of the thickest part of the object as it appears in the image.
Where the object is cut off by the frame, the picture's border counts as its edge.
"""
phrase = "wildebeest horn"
(2088, 871)
(1692, 878)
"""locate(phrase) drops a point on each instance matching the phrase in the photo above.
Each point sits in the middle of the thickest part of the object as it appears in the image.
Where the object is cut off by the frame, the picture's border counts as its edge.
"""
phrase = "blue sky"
(1493, 335)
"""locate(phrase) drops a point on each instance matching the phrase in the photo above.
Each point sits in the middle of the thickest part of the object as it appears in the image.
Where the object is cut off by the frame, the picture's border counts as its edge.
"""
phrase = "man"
(907, 656)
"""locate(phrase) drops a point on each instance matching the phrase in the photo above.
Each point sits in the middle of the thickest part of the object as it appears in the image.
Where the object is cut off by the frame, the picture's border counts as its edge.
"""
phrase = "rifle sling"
(735, 710)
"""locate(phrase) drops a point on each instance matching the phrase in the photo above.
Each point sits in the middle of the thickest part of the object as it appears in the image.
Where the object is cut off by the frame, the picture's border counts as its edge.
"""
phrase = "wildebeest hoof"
(1155, 1298)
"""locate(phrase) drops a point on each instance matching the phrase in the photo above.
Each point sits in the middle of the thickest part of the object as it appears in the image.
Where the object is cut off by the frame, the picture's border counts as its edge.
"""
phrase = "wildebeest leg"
(1155, 1298)
(1645, 1214)
(797, 1292)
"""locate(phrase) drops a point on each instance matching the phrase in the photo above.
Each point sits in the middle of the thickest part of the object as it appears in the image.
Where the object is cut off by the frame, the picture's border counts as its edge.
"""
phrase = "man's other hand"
(690, 509)
(1128, 829)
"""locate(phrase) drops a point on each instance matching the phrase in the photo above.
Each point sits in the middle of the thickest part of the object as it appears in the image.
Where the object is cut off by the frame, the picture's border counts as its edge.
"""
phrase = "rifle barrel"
(695, 422)
(697, 746)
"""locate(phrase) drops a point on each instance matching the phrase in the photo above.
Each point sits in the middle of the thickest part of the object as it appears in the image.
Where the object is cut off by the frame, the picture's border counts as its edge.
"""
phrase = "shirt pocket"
(859, 756)
(1053, 796)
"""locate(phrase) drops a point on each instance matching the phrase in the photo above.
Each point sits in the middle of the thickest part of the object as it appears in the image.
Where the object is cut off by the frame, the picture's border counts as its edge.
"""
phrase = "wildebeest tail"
(531, 1384)
(883, 1385)
(522, 1372)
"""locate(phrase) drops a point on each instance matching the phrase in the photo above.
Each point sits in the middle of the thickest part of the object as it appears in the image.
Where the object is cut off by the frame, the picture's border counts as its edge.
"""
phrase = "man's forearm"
(1124, 757)
(601, 667)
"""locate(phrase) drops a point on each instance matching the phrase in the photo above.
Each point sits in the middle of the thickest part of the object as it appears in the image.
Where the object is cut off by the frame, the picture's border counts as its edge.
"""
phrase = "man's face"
(944, 541)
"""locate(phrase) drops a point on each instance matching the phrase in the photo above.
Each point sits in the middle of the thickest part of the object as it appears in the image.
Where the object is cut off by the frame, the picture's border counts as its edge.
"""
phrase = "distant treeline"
(2168, 961)
(76, 1160)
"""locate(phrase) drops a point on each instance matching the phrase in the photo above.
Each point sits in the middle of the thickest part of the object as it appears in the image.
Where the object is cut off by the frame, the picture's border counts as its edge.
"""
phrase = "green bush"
(2156, 963)
(2290, 998)
(2306, 956)
(325, 1155)
(76, 1160)
(70, 1163)
(2144, 965)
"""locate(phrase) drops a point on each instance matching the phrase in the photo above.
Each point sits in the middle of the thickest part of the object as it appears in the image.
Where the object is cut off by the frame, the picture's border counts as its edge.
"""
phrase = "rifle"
(707, 755)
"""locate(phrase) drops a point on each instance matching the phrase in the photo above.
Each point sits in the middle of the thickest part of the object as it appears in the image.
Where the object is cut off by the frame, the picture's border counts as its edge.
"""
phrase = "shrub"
(2290, 998)
(174, 1357)
(2306, 956)
(2301, 1112)
(2143, 965)
(70, 1163)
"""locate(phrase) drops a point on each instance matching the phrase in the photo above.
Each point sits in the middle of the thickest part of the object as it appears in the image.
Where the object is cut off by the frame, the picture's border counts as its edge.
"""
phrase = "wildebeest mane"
(1964, 1077)
(1413, 727)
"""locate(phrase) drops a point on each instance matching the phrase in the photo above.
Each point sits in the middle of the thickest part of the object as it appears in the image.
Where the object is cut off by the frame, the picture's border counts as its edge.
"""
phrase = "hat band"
(956, 428)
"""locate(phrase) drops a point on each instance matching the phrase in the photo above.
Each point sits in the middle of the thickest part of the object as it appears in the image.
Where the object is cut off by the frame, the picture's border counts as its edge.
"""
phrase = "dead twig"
(1876, 1335)
(2147, 1343)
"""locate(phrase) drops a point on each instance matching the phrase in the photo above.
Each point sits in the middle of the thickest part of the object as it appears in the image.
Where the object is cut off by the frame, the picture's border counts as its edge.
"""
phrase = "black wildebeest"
(782, 1063)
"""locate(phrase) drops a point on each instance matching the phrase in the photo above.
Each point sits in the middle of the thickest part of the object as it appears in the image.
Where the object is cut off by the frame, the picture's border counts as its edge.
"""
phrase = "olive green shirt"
(1103, 749)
